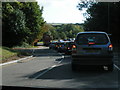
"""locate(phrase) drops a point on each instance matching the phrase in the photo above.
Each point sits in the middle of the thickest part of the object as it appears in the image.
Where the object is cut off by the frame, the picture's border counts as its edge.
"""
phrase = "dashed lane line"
(116, 67)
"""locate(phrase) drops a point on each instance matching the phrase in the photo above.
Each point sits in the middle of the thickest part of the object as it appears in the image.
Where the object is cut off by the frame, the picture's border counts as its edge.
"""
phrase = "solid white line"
(117, 67)
(61, 60)
(15, 61)
(49, 68)
(45, 71)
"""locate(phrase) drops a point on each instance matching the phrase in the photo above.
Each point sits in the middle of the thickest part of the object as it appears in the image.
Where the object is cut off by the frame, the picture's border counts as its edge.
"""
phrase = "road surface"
(50, 69)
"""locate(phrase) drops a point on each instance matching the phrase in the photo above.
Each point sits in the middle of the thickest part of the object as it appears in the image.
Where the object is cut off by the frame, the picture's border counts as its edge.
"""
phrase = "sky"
(61, 11)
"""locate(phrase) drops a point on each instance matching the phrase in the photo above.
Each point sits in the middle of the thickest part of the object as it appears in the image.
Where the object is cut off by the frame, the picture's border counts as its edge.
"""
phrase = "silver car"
(92, 49)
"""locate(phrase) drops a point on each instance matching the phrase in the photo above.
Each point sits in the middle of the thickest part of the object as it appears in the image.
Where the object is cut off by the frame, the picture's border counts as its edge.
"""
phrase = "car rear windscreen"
(96, 38)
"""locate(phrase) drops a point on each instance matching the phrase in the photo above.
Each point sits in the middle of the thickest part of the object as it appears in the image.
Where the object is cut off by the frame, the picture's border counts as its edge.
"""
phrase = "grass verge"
(7, 54)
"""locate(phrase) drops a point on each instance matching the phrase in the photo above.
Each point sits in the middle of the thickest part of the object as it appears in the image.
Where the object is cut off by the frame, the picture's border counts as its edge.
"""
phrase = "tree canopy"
(21, 22)
(102, 16)
(63, 31)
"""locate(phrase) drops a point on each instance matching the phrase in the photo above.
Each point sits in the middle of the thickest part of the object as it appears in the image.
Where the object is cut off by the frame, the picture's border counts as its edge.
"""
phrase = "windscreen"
(97, 38)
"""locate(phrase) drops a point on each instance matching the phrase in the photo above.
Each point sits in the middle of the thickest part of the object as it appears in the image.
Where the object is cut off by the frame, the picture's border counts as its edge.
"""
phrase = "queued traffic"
(89, 48)
(62, 46)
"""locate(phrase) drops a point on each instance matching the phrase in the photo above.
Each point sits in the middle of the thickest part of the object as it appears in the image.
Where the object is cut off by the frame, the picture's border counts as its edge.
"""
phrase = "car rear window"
(97, 38)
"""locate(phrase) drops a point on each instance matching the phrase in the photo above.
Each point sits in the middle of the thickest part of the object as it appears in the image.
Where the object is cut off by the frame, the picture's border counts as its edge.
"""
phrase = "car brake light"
(91, 43)
(74, 49)
(68, 47)
(110, 46)
(74, 46)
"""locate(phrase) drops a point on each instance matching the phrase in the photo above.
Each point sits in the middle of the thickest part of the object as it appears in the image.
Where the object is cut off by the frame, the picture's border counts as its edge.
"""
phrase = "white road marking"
(15, 61)
(45, 72)
(61, 59)
(50, 68)
(117, 67)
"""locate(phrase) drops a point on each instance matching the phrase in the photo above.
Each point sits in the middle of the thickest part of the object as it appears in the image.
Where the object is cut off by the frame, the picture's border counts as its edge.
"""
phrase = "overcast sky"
(61, 11)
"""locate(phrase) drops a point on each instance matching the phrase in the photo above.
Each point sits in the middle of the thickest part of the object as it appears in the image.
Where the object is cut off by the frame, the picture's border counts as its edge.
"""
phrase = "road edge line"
(15, 61)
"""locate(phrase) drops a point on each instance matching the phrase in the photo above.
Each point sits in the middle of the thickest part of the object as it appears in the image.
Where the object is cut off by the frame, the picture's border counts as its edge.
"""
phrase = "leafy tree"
(34, 20)
(0, 10)
(63, 31)
(21, 22)
(70, 30)
(13, 26)
(54, 34)
(102, 17)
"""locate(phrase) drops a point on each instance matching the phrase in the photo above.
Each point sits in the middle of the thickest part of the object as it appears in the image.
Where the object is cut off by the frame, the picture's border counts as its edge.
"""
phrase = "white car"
(92, 49)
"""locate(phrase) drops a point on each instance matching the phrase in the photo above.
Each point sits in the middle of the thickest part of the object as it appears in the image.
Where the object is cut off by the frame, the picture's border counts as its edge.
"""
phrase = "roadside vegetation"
(102, 16)
(24, 45)
(21, 23)
(8, 54)
(63, 31)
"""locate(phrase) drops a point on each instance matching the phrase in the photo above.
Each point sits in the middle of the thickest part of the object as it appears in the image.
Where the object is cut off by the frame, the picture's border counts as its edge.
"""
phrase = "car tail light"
(74, 49)
(68, 47)
(110, 47)
(91, 43)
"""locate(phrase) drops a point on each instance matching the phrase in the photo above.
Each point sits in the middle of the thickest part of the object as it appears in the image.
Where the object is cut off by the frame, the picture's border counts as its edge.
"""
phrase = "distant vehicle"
(61, 47)
(92, 49)
(68, 47)
(53, 45)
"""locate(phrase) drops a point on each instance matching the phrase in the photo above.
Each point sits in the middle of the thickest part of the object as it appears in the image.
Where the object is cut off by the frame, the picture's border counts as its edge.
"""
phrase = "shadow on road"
(85, 78)
(63, 72)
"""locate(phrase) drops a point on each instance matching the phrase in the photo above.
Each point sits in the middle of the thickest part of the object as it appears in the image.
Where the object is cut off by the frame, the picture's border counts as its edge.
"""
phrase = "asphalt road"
(50, 69)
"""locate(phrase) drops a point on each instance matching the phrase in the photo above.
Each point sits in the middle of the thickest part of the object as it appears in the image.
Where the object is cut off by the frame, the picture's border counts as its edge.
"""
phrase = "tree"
(102, 17)
(34, 20)
(70, 30)
(13, 26)
(62, 35)
(21, 22)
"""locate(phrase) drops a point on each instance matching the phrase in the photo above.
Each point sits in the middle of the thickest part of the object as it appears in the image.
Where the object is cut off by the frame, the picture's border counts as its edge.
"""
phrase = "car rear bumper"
(92, 56)
(92, 60)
